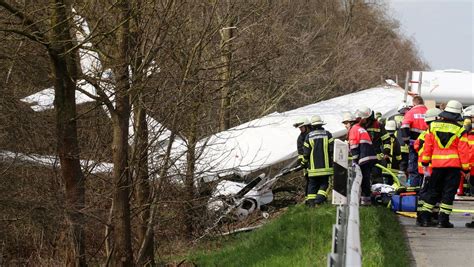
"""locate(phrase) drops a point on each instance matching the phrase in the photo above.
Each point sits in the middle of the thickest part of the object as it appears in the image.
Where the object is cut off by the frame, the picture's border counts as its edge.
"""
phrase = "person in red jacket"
(469, 136)
(448, 154)
(413, 125)
(362, 151)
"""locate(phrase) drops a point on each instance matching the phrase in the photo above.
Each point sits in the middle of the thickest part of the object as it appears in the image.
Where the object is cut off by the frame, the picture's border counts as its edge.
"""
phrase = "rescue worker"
(468, 120)
(305, 127)
(318, 152)
(430, 116)
(378, 117)
(448, 154)
(348, 119)
(379, 138)
(392, 150)
(468, 123)
(398, 118)
(362, 151)
(402, 110)
(469, 135)
(412, 125)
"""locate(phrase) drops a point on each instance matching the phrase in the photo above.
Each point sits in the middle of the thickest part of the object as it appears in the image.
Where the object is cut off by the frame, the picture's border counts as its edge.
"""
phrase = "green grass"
(383, 242)
(302, 237)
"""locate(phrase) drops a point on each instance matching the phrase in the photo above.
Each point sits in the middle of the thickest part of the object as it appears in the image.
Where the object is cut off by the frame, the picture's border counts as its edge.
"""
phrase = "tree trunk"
(65, 75)
(122, 252)
(226, 58)
(143, 182)
(190, 194)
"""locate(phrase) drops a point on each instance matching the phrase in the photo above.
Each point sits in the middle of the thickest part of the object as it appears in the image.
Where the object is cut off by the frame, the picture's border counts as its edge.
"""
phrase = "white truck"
(440, 86)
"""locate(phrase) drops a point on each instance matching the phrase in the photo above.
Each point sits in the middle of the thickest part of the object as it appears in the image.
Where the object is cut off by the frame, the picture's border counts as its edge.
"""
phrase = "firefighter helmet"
(391, 125)
(432, 114)
(316, 120)
(363, 112)
(302, 121)
(469, 111)
(348, 117)
(453, 106)
(403, 107)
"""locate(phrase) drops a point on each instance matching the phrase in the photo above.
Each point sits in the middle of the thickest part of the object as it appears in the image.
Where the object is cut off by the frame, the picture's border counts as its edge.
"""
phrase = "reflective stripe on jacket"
(361, 146)
(318, 151)
(299, 146)
(394, 154)
(444, 147)
(419, 148)
(414, 122)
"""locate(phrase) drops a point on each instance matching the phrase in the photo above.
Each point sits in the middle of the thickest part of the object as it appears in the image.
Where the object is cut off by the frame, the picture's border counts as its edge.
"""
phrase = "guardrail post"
(346, 249)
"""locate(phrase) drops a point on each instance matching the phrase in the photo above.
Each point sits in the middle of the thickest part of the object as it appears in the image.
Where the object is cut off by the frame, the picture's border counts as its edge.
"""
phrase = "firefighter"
(398, 118)
(362, 151)
(448, 154)
(348, 119)
(305, 127)
(468, 120)
(430, 116)
(318, 152)
(378, 117)
(392, 152)
(379, 138)
(469, 135)
(412, 125)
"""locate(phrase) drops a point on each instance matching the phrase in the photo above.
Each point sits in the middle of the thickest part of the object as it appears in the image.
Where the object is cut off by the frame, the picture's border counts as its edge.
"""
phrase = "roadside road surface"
(432, 246)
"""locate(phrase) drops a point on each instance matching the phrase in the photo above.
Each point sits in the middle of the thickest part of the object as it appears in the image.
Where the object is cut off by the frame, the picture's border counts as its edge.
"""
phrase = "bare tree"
(60, 47)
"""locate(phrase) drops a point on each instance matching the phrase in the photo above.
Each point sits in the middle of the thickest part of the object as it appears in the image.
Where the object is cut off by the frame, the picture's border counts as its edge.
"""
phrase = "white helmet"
(302, 121)
(363, 112)
(348, 117)
(432, 114)
(453, 106)
(469, 111)
(316, 120)
(403, 107)
(391, 125)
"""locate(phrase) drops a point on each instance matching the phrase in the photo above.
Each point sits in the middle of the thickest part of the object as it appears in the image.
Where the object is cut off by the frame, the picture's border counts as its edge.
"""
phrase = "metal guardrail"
(346, 248)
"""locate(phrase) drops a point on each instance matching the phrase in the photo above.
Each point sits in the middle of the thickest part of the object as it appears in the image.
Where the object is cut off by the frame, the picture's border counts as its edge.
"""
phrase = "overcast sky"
(441, 29)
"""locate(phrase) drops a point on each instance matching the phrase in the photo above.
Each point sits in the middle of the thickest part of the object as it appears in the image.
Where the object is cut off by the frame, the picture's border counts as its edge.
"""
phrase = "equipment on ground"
(239, 199)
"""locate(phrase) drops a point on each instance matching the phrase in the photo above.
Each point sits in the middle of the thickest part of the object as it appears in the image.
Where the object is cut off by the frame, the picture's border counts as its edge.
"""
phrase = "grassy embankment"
(302, 237)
